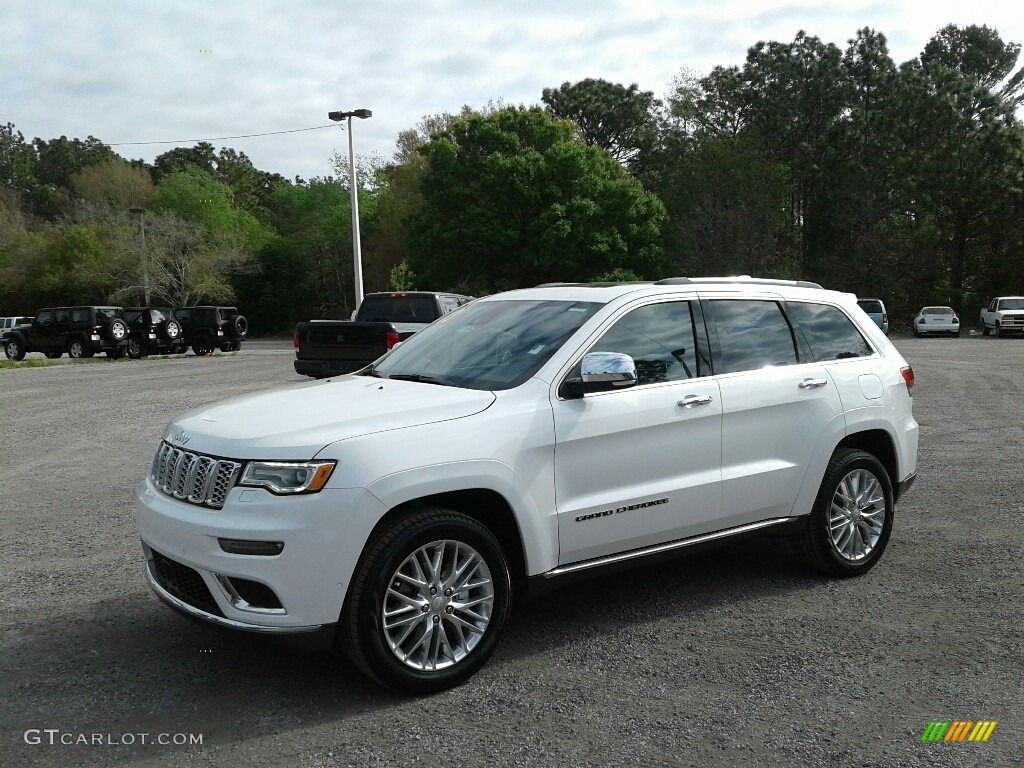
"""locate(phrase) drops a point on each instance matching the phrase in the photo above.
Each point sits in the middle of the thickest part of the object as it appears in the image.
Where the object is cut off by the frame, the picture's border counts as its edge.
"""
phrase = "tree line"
(809, 161)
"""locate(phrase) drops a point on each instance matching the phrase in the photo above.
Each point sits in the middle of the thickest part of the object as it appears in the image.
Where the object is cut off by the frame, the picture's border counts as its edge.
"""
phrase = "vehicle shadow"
(133, 666)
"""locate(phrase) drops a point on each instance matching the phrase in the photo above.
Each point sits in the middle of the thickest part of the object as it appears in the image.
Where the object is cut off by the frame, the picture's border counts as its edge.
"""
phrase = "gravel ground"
(734, 657)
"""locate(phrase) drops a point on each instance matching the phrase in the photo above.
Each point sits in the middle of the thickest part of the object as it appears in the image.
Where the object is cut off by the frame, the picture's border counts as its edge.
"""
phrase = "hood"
(295, 423)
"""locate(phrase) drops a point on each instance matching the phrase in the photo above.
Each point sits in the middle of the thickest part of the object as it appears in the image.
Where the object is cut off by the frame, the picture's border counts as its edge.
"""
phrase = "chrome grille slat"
(194, 477)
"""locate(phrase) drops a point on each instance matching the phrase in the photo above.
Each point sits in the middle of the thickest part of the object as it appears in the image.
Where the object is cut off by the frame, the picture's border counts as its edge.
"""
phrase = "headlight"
(287, 476)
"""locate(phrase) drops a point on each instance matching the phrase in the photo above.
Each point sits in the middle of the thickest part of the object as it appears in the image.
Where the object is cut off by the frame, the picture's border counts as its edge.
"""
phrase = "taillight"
(391, 339)
(908, 377)
(295, 339)
(956, 321)
(885, 318)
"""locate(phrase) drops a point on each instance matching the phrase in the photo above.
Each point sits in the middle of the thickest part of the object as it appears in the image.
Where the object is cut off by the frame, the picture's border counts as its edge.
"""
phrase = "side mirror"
(602, 372)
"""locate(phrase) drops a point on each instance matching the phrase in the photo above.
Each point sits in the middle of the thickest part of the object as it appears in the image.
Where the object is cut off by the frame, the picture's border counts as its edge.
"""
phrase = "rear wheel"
(14, 350)
(984, 329)
(428, 602)
(76, 349)
(851, 520)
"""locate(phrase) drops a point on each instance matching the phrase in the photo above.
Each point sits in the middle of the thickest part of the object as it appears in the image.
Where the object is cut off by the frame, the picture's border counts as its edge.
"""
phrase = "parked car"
(527, 439)
(208, 328)
(79, 331)
(329, 347)
(1003, 315)
(936, 320)
(152, 329)
(875, 309)
(7, 324)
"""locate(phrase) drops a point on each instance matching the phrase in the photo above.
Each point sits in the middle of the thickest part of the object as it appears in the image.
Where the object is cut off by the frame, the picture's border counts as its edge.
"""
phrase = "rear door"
(777, 402)
(641, 466)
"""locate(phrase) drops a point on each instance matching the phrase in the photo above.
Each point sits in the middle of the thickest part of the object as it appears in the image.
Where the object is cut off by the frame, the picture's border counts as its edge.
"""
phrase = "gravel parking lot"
(734, 657)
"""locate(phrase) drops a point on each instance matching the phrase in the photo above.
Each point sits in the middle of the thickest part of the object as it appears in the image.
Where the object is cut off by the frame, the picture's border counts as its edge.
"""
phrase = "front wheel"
(428, 602)
(135, 349)
(14, 351)
(203, 346)
(851, 520)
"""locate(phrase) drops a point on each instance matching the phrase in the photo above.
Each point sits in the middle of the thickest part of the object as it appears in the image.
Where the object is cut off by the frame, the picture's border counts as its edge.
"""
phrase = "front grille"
(184, 583)
(193, 477)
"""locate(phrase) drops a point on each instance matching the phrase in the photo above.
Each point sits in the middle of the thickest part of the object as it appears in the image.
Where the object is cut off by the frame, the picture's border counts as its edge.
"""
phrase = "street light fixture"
(357, 256)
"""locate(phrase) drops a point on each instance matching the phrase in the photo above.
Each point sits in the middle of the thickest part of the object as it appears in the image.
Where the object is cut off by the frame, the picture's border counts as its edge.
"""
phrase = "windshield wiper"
(421, 378)
(372, 371)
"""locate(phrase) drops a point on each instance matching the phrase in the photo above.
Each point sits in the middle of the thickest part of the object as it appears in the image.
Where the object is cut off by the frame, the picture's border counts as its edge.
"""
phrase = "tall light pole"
(357, 256)
(145, 256)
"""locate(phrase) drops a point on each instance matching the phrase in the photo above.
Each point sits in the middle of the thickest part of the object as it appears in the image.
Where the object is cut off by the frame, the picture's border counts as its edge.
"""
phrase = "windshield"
(1011, 304)
(491, 345)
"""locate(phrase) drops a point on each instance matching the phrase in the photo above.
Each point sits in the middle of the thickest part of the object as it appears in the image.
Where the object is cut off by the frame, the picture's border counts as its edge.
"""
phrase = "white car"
(936, 320)
(530, 438)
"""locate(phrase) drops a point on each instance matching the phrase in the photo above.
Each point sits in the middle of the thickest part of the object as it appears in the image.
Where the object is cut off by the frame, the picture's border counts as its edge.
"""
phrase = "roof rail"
(745, 279)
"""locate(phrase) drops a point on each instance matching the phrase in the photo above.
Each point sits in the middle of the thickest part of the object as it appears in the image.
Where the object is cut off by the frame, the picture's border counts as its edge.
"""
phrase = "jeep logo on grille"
(181, 437)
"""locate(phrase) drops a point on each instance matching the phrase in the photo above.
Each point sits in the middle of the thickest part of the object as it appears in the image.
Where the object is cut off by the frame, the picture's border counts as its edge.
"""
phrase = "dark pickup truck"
(330, 347)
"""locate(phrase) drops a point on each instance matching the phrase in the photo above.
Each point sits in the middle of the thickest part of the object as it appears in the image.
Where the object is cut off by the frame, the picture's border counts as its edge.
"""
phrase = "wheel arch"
(488, 507)
(879, 444)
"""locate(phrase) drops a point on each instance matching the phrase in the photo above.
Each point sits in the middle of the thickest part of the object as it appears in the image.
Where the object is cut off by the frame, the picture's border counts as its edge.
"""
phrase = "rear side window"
(752, 334)
(133, 316)
(79, 316)
(830, 333)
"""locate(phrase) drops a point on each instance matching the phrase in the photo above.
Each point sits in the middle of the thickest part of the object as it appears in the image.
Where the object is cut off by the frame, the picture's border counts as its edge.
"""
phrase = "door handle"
(812, 383)
(691, 400)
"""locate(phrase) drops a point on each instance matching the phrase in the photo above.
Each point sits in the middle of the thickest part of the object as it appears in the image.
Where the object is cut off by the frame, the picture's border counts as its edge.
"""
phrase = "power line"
(219, 138)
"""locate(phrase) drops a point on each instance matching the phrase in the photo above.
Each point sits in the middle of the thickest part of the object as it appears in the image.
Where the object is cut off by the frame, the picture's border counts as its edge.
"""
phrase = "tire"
(116, 330)
(117, 353)
(851, 475)
(203, 346)
(170, 330)
(984, 329)
(394, 573)
(998, 330)
(76, 349)
(136, 349)
(14, 350)
(240, 326)
(54, 355)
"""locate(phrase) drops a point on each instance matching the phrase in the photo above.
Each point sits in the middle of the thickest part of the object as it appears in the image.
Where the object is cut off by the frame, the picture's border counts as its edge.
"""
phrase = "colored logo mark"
(958, 730)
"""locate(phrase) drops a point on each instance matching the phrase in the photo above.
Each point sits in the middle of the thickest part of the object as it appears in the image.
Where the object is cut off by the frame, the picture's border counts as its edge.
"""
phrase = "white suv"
(528, 438)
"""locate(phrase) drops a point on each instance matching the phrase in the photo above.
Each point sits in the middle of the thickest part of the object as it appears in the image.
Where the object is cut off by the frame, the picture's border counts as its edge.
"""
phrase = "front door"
(641, 466)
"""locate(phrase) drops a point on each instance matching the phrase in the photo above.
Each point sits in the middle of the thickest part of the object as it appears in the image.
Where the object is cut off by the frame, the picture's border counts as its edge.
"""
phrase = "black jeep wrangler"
(79, 331)
(152, 329)
(208, 328)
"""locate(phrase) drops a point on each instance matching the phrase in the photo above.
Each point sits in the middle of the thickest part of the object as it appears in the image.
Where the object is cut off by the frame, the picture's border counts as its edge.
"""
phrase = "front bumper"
(300, 590)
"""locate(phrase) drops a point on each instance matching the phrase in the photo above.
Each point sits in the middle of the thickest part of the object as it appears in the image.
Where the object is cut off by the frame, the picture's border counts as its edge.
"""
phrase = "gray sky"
(151, 70)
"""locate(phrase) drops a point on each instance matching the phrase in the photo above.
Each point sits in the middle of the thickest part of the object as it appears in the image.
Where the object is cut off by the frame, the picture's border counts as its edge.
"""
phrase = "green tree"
(515, 199)
(620, 120)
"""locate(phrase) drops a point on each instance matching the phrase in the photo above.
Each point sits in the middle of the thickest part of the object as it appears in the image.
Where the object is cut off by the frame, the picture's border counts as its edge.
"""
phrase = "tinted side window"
(659, 338)
(183, 315)
(79, 315)
(752, 334)
(45, 317)
(831, 334)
